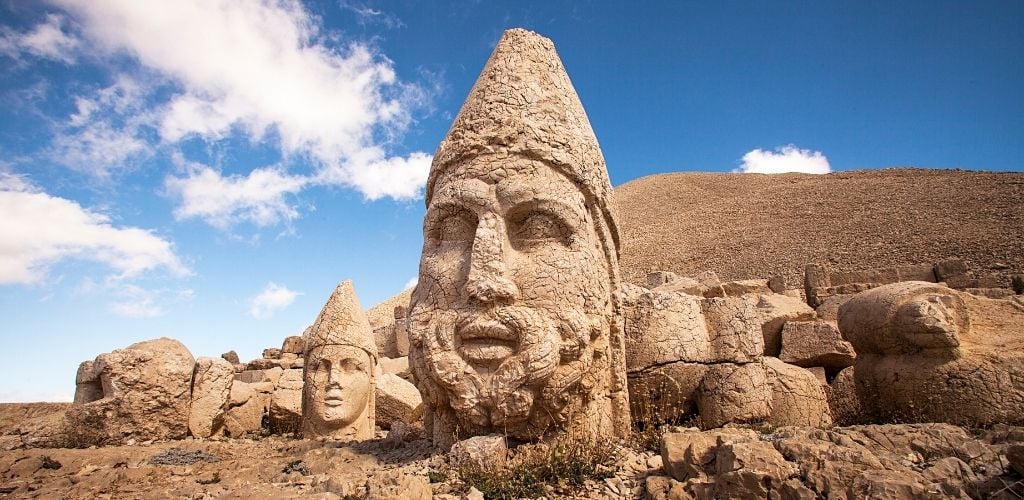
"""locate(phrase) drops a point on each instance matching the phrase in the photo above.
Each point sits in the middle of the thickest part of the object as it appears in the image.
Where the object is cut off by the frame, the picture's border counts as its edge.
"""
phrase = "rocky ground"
(744, 226)
(873, 461)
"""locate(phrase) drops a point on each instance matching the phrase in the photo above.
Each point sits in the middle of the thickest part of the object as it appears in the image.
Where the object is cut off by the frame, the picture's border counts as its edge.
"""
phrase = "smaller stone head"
(905, 318)
(338, 377)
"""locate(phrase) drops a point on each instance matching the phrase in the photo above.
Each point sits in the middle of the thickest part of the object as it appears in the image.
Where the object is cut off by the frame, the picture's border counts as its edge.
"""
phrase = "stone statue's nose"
(488, 279)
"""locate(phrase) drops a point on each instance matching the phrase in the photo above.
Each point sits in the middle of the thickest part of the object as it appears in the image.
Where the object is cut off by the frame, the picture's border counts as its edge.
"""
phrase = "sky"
(209, 170)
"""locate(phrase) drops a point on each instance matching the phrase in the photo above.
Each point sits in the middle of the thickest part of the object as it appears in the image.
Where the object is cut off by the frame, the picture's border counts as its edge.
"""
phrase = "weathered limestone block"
(265, 364)
(87, 384)
(665, 393)
(397, 400)
(692, 454)
(828, 310)
(734, 393)
(512, 324)
(659, 278)
(929, 353)
(485, 453)
(951, 270)
(340, 367)
(816, 343)
(211, 385)
(293, 344)
(231, 357)
(843, 401)
(394, 484)
(777, 283)
(146, 390)
(256, 376)
(753, 469)
(773, 311)
(733, 326)
(663, 327)
(819, 374)
(797, 396)
(286, 403)
(396, 366)
(744, 287)
(815, 278)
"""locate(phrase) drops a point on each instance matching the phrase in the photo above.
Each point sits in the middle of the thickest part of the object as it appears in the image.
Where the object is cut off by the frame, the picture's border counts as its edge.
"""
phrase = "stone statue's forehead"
(510, 179)
(337, 351)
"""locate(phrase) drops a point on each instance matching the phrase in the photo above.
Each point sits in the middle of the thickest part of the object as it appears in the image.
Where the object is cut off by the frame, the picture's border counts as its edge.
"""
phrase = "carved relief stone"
(927, 353)
(513, 326)
(338, 377)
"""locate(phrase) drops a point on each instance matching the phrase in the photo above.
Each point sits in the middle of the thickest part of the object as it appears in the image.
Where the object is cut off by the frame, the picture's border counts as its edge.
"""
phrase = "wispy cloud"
(40, 229)
(785, 159)
(47, 39)
(264, 70)
(271, 300)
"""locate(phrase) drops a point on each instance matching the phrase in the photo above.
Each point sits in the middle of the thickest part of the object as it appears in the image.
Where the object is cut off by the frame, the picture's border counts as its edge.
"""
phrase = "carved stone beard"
(555, 356)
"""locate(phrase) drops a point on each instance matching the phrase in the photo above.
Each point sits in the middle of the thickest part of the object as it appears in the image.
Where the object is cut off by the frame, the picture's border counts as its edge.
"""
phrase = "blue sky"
(209, 170)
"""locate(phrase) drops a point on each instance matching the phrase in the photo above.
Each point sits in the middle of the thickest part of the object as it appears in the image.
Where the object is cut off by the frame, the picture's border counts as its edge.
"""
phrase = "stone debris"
(484, 453)
(798, 397)
(211, 387)
(397, 400)
(816, 343)
(285, 411)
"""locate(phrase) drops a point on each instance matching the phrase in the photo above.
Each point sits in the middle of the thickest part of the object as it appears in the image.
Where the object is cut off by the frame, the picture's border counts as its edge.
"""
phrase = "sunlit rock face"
(927, 353)
(338, 376)
(513, 326)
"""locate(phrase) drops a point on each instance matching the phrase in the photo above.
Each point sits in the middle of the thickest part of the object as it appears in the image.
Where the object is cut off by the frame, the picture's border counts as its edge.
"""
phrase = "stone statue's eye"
(538, 226)
(454, 225)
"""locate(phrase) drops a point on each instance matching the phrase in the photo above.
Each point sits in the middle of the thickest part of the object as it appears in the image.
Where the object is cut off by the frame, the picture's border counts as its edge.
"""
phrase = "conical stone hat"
(342, 322)
(524, 104)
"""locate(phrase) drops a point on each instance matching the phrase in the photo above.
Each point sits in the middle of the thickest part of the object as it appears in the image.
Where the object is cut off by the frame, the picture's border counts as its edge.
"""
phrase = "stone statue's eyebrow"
(465, 192)
(514, 196)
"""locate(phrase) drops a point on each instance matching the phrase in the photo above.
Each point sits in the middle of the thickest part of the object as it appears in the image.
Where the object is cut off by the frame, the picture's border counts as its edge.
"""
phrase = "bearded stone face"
(509, 321)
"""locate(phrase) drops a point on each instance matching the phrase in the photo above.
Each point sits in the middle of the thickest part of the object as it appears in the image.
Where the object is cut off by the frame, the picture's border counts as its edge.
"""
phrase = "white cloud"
(411, 283)
(259, 67)
(47, 40)
(258, 198)
(39, 230)
(785, 159)
(273, 299)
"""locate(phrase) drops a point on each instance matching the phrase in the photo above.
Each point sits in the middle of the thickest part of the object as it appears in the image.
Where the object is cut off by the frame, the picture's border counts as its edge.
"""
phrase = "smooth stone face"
(338, 390)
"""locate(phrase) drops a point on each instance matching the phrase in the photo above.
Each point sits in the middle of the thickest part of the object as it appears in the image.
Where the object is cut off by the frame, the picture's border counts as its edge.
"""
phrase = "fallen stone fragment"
(816, 343)
(482, 453)
(397, 399)
(211, 386)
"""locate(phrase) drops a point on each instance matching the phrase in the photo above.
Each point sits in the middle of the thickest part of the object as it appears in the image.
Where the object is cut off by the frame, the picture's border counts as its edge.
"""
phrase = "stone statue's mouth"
(486, 341)
(333, 398)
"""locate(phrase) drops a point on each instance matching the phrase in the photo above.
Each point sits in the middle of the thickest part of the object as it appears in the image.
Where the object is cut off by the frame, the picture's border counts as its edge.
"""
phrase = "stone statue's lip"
(485, 329)
(333, 402)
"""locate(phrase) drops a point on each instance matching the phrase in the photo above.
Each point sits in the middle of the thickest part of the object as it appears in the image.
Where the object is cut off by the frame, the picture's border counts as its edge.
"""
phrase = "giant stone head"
(514, 323)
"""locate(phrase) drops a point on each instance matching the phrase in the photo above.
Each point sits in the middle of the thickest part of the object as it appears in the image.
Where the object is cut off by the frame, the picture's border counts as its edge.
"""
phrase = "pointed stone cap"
(524, 104)
(342, 322)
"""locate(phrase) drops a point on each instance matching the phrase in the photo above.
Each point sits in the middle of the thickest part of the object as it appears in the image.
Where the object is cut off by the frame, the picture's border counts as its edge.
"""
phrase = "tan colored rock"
(733, 326)
(293, 344)
(816, 343)
(1015, 456)
(819, 374)
(692, 454)
(773, 311)
(744, 287)
(87, 384)
(663, 327)
(829, 308)
(265, 364)
(211, 386)
(231, 357)
(396, 366)
(394, 484)
(665, 393)
(798, 398)
(146, 395)
(512, 324)
(272, 353)
(751, 469)
(659, 278)
(843, 400)
(483, 453)
(734, 393)
(340, 367)
(397, 400)
(930, 353)
(286, 403)
(247, 418)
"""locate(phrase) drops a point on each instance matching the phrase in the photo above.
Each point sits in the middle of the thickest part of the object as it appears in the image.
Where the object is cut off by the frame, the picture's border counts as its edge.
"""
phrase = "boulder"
(395, 484)
(293, 344)
(842, 399)
(734, 393)
(231, 357)
(211, 385)
(397, 399)
(662, 327)
(772, 312)
(797, 396)
(396, 366)
(744, 287)
(819, 374)
(666, 393)
(286, 403)
(816, 343)
(255, 376)
(753, 469)
(659, 278)
(692, 454)
(1015, 455)
(87, 384)
(733, 328)
(777, 283)
(247, 418)
(272, 353)
(484, 453)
